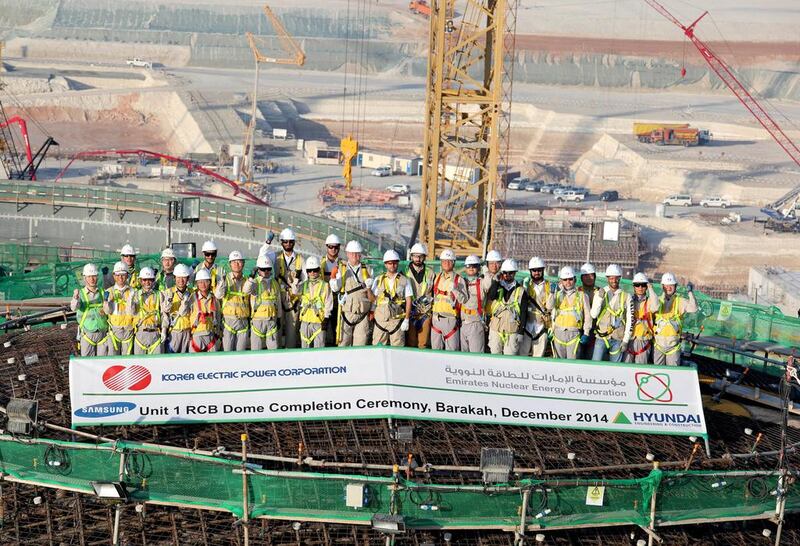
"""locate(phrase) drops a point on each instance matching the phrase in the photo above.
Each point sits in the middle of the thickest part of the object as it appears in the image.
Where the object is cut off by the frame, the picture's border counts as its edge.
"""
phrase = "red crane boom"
(23, 128)
(726, 75)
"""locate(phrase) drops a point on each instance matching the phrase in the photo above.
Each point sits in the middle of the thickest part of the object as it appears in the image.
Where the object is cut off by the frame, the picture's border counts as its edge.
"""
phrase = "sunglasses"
(473, 266)
(265, 269)
(129, 255)
(640, 285)
(334, 246)
(537, 270)
(395, 262)
(286, 242)
(509, 272)
(209, 253)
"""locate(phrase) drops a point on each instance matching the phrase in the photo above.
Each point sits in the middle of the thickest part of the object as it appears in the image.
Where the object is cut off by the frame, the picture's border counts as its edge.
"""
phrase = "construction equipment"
(466, 122)
(420, 7)
(349, 148)
(9, 157)
(670, 134)
(785, 205)
(295, 56)
(643, 129)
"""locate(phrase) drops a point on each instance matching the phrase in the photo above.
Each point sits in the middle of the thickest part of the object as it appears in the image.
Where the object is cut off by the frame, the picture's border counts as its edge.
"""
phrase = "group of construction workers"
(289, 301)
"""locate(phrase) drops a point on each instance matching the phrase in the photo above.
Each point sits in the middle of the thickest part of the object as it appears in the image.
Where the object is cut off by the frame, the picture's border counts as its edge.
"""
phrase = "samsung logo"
(104, 410)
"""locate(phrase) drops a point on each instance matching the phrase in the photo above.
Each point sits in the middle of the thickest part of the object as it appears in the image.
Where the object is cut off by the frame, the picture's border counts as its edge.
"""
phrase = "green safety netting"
(161, 474)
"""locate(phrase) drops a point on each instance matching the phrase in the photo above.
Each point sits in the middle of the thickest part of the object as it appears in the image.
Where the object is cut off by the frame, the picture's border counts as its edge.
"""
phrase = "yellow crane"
(294, 56)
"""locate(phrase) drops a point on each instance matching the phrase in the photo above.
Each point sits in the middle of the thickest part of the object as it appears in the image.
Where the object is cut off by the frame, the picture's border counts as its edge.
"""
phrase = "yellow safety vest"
(235, 303)
(133, 280)
(643, 328)
(202, 317)
(149, 314)
(391, 296)
(502, 309)
(608, 309)
(533, 296)
(91, 319)
(266, 300)
(443, 302)
(183, 322)
(121, 318)
(669, 323)
(288, 276)
(569, 315)
(421, 289)
(312, 304)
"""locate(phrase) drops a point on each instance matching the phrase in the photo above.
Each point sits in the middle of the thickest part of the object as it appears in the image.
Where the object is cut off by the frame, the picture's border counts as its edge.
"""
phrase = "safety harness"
(616, 313)
(235, 303)
(97, 320)
(206, 317)
(573, 316)
(668, 324)
(144, 319)
(265, 308)
(312, 308)
(441, 306)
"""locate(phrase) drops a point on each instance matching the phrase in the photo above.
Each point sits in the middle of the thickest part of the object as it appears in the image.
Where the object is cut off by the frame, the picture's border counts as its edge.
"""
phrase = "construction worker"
(540, 308)
(644, 303)
(149, 321)
(165, 278)
(235, 303)
(266, 307)
(493, 262)
(289, 270)
(118, 306)
(612, 312)
(572, 320)
(449, 292)
(393, 297)
(176, 304)
(353, 286)
(588, 279)
(204, 316)
(316, 304)
(128, 257)
(209, 263)
(668, 321)
(87, 302)
(508, 308)
(331, 260)
(421, 278)
(473, 311)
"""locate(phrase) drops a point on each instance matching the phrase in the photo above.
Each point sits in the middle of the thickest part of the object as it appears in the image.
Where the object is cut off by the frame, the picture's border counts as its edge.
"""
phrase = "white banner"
(377, 382)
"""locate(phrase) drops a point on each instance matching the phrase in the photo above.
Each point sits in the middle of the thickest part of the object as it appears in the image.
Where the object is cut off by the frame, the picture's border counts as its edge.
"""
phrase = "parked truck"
(420, 7)
(670, 134)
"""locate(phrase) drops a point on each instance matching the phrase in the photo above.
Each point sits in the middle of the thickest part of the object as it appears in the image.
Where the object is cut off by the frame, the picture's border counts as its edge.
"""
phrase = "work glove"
(104, 269)
(584, 339)
(404, 325)
(623, 348)
(689, 287)
(270, 237)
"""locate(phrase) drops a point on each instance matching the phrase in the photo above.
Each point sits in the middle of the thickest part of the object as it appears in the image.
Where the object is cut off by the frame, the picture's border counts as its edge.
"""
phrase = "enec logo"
(653, 387)
(133, 378)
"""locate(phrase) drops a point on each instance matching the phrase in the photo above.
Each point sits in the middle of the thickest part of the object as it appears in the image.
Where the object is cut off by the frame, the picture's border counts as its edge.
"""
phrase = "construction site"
(659, 137)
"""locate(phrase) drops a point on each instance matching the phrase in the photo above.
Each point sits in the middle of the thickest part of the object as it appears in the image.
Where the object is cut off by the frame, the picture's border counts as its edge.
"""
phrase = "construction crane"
(295, 56)
(786, 204)
(466, 122)
(9, 157)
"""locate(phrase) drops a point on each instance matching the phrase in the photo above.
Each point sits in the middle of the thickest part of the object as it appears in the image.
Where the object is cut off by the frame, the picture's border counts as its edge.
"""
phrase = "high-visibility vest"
(164, 281)
(121, 317)
(423, 288)
(203, 311)
(179, 323)
(643, 327)
(443, 301)
(669, 322)
(312, 302)
(89, 312)
(391, 300)
(286, 273)
(506, 313)
(265, 304)
(534, 298)
(133, 279)
(148, 316)
(609, 310)
(235, 303)
(569, 314)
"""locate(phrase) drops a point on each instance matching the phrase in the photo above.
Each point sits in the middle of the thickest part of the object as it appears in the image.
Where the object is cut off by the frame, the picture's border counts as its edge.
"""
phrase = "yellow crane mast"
(294, 56)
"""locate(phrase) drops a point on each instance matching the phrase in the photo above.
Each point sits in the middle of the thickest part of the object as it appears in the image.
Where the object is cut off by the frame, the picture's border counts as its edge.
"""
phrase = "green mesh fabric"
(165, 475)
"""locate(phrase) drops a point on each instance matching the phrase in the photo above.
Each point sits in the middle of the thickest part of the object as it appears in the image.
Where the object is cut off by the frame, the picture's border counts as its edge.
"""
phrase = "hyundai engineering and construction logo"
(653, 387)
(132, 378)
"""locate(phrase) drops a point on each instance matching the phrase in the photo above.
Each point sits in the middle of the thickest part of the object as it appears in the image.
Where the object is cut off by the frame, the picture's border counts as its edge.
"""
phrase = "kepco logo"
(653, 387)
(132, 378)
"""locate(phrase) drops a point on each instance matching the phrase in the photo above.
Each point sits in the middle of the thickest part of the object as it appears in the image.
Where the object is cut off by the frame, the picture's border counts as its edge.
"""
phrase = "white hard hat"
(588, 269)
(263, 262)
(668, 278)
(147, 273)
(536, 263)
(89, 270)
(209, 246)
(566, 273)
(203, 275)
(391, 256)
(332, 240)
(354, 246)
(120, 267)
(640, 278)
(419, 248)
(287, 235)
(127, 250)
(312, 263)
(509, 265)
(494, 256)
(447, 254)
(472, 259)
(167, 253)
(235, 255)
(182, 270)
(613, 270)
